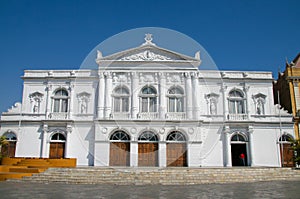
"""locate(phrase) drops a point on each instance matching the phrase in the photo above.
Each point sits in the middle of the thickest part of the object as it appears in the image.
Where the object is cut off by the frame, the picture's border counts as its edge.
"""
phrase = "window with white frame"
(121, 100)
(175, 100)
(236, 102)
(148, 99)
(60, 101)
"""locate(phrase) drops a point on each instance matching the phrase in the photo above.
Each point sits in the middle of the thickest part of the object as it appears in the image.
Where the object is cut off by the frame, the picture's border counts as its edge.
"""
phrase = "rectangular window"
(117, 105)
(56, 105)
(171, 104)
(144, 104)
(64, 105)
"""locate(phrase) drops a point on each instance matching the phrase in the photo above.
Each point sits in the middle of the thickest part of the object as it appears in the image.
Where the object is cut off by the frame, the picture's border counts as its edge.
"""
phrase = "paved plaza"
(275, 189)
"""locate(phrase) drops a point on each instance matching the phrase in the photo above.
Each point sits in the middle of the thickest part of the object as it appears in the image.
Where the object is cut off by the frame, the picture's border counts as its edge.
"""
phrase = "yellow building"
(287, 86)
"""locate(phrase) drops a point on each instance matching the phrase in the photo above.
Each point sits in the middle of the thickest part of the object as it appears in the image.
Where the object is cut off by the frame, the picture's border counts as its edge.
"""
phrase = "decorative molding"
(146, 55)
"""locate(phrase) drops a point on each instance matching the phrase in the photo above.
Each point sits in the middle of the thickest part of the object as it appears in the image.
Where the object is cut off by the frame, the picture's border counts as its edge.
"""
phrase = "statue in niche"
(213, 107)
(35, 109)
(259, 107)
(83, 108)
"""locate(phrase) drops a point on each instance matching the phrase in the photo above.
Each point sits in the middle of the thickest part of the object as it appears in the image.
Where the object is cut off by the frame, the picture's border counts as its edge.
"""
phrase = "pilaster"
(135, 92)
(189, 95)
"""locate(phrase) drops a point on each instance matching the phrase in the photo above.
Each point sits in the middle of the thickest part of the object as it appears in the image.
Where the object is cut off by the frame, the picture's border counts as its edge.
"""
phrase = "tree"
(3, 142)
(296, 147)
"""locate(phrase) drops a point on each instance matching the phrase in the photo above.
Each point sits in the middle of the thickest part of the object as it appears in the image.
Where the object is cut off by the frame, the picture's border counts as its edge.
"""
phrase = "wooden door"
(288, 154)
(148, 154)
(119, 154)
(176, 154)
(9, 149)
(57, 150)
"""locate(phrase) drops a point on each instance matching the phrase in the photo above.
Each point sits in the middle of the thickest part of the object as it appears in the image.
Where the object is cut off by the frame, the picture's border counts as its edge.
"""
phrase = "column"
(251, 155)
(101, 94)
(225, 103)
(135, 93)
(43, 153)
(189, 97)
(68, 140)
(134, 154)
(246, 89)
(162, 94)
(227, 147)
(48, 100)
(195, 91)
(162, 154)
(71, 99)
(108, 91)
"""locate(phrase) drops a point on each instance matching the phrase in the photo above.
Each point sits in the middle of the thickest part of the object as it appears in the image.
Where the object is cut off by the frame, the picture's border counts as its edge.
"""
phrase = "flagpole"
(280, 129)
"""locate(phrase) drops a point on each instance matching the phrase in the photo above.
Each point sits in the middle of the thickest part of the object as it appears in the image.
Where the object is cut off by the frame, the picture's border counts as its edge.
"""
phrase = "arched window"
(10, 136)
(60, 101)
(148, 99)
(236, 102)
(119, 136)
(285, 138)
(176, 136)
(238, 138)
(121, 100)
(58, 137)
(148, 136)
(175, 100)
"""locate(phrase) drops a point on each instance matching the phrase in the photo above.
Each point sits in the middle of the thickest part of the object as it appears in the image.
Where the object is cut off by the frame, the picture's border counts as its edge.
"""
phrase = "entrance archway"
(176, 149)
(239, 147)
(119, 149)
(286, 151)
(57, 146)
(148, 149)
(9, 149)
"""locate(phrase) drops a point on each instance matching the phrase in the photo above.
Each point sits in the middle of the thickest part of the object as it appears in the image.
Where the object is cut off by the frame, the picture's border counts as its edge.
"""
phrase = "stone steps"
(164, 176)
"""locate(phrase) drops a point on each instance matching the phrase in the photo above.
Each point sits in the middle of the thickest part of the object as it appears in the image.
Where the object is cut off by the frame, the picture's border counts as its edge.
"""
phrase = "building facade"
(148, 106)
(287, 94)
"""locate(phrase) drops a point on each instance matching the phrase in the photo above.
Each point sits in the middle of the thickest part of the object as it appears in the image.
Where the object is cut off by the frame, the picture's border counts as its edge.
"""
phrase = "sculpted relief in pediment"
(146, 55)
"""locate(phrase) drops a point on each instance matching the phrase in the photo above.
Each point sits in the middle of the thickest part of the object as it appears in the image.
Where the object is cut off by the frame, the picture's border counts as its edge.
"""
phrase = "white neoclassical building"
(148, 106)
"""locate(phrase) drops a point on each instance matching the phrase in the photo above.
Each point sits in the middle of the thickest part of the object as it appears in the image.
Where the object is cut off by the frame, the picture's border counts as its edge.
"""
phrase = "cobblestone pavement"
(274, 189)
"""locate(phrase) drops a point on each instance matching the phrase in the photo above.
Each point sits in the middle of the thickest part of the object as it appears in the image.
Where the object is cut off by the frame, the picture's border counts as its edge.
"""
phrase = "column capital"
(69, 128)
(45, 128)
(187, 75)
(250, 129)
(226, 129)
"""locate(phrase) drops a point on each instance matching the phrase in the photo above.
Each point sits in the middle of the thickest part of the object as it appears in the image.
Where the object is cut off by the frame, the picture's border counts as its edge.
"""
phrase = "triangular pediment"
(148, 53)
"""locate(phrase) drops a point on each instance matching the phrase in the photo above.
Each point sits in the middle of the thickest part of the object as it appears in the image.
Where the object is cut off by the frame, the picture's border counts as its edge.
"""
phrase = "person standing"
(242, 159)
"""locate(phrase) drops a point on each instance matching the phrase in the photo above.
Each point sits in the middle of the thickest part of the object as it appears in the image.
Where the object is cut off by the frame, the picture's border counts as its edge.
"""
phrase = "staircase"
(20, 167)
(164, 176)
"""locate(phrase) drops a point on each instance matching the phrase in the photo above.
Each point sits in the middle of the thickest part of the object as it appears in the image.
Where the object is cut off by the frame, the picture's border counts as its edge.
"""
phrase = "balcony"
(237, 117)
(148, 115)
(176, 115)
(120, 115)
(58, 116)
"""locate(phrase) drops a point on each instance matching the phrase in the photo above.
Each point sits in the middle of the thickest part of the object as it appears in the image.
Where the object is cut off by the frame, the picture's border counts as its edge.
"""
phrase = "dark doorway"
(236, 151)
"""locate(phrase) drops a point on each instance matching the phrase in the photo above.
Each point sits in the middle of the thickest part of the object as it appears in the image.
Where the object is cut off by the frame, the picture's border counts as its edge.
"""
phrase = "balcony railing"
(120, 115)
(148, 115)
(237, 117)
(176, 115)
(58, 116)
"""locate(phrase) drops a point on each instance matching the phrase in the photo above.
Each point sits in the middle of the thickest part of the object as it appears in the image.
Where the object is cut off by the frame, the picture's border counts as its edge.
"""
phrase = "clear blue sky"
(56, 34)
